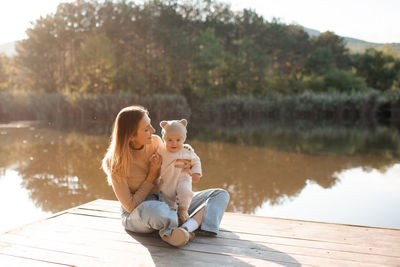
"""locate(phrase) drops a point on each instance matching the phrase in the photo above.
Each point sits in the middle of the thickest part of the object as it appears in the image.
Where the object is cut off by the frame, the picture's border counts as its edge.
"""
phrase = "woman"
(132, 166)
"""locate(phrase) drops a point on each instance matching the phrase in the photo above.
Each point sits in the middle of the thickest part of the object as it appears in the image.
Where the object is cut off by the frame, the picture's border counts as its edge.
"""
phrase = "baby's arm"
(196, 177)
(195, 171)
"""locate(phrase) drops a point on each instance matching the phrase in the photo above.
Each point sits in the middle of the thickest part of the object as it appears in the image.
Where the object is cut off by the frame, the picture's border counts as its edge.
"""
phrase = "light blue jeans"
(152, 214)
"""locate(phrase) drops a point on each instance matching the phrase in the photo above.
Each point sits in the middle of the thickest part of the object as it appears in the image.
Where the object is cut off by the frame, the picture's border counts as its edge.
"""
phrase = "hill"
(359, 46)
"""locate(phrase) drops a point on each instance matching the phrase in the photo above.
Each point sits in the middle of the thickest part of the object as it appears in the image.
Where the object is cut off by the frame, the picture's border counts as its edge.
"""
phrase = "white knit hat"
(174, 127)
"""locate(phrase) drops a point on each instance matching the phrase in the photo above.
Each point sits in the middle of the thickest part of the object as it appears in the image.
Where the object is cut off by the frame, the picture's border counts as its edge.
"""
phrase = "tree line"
(200, 49)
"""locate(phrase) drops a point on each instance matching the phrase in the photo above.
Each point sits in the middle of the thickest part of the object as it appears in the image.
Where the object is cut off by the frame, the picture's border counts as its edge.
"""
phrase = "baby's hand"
(195, 177)
(184, 164)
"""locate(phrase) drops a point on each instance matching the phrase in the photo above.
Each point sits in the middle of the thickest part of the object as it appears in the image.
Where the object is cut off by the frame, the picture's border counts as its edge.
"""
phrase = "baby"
(174, 183)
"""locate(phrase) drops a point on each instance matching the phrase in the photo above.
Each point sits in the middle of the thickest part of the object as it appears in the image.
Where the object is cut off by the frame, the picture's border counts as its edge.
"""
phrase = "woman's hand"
(184, 164)
(155, 166)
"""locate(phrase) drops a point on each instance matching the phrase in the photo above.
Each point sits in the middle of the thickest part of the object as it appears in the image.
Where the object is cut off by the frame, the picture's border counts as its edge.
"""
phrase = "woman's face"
(144, 133)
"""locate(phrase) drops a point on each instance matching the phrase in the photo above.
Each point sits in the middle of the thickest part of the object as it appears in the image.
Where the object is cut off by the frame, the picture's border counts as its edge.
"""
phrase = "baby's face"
(173, 142)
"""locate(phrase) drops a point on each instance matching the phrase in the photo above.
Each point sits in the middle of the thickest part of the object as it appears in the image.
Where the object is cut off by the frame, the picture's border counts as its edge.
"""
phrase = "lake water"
(341, 174)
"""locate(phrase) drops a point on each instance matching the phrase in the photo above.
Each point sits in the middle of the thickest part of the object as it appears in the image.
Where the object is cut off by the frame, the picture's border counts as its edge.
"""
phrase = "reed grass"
(310, 106)
(103, 108)
(63, 109)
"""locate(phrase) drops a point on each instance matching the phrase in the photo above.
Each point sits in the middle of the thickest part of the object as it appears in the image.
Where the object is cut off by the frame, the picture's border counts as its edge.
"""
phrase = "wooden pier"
(92, 235)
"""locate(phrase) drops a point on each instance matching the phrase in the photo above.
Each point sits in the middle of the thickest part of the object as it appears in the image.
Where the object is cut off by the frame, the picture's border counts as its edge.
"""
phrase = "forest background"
(195, 59)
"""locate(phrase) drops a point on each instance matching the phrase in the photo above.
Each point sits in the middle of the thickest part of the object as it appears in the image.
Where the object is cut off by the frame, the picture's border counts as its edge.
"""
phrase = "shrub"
(335, 80)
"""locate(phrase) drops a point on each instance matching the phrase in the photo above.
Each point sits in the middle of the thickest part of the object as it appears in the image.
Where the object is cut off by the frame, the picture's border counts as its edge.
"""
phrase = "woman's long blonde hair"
(116, 161)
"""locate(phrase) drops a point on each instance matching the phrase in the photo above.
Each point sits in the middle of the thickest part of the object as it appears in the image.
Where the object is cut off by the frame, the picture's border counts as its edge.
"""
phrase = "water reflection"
(258, 165)
(59, 169)
(254, 175)
(374, 198)
(309, 138)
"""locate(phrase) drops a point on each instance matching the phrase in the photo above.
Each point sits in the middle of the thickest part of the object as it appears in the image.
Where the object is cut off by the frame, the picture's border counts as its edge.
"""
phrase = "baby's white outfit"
(176, 185)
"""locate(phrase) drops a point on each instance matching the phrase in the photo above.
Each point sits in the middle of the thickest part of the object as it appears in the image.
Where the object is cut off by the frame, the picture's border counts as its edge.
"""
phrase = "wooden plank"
(92, 235)
(354, 237)
(277, 222)
(132, 251)
(44, 255)
(389, 251)
(334, 233)
(114, 207)
(80, 240)
(214, 251)
(111, 243)
(201, 243)
(240, 248)
(228, 236)
(14, 260)
(369, 249)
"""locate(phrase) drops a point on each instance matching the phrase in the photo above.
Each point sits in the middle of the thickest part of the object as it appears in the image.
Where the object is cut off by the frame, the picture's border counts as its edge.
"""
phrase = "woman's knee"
(154, 208)
(159, 212)
(221, 194)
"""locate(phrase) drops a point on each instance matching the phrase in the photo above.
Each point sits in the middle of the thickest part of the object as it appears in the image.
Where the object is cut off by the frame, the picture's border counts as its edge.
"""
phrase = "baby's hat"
(174, 127)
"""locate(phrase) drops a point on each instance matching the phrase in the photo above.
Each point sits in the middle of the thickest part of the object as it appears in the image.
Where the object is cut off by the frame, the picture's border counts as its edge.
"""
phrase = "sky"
(370, 20)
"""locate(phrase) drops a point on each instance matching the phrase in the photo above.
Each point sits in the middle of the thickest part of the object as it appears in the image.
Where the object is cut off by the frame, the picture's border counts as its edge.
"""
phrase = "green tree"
(334, 80)
(48, 56)
(200, 48)
(74, 23)
(326, 67)
(4, 76)
(319, 61)
(245, 71)
(380, 70)
(95, 68)
(207, 62)
(336, 45)
(37, 56)
(343, 81)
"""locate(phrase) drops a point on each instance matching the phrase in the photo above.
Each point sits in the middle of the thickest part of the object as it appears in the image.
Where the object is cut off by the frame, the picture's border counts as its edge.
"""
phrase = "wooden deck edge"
(319, 222)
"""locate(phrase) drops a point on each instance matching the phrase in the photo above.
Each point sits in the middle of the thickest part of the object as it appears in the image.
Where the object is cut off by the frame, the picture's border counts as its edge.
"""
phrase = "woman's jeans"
(152, 214)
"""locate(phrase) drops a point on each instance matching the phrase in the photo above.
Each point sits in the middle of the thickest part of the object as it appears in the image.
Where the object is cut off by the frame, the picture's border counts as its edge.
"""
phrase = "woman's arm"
(131, 200)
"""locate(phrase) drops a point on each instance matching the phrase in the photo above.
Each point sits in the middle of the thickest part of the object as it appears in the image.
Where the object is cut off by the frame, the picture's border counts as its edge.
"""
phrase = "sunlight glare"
(16, 202)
